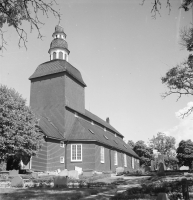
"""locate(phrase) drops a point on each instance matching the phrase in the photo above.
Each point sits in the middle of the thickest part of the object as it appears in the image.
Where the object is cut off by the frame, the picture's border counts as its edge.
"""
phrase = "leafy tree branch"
(14, 12)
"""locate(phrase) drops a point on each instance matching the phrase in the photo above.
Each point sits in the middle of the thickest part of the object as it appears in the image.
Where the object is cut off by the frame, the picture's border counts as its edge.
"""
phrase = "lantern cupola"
(59, 46)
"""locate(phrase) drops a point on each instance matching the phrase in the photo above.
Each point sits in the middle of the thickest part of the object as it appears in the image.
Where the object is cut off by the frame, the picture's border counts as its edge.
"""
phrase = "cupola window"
(54, 55)
(60, 55)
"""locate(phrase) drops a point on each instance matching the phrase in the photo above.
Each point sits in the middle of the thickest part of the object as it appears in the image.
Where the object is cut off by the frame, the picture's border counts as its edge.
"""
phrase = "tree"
(20, 136)
(170, 161)
(144, 152)
(157, 4)
(15, 12)
(131, 143)
(185, 153)
(162, 143)
(179, 79)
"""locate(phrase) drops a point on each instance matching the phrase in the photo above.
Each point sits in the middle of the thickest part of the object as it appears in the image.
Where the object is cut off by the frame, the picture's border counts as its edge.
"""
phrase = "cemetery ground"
(98, 187)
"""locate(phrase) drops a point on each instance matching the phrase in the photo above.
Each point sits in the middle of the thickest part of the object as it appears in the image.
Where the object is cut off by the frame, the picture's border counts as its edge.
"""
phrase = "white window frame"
(132, 162)
(115, 158)
(102, 155)
(61, 159)
(62, 144)
(125, 160)
(76, 160)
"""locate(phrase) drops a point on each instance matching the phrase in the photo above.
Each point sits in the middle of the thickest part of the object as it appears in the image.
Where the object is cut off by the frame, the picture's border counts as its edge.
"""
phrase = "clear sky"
(122, 53)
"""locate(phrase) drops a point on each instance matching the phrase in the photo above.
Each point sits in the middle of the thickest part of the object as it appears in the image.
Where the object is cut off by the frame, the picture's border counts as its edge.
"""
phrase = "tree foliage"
(170, 161)
(15, 12)
(185, 153)
(162, 143)
(131, 143)
(144, 152)
(19, 133)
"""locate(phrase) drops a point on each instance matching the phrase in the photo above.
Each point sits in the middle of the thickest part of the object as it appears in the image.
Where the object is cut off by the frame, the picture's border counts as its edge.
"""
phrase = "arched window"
(60, 55)
(54, 55)
(65, 57)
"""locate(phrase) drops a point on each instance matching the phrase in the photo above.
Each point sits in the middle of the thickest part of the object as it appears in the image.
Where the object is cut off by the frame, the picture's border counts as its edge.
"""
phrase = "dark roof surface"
(58, 43)
(49, 129)
(100, 121)
(85, 131)
(56, 66)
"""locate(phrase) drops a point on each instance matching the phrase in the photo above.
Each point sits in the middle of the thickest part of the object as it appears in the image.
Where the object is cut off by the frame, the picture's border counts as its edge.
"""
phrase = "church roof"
(57, 66)
(49, 129)
(84, 131)
(100, 121)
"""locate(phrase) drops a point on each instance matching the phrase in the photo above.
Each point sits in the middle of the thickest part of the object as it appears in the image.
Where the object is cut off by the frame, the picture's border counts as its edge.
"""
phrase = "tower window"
(65, 57)
(54, 55)
(60, 55)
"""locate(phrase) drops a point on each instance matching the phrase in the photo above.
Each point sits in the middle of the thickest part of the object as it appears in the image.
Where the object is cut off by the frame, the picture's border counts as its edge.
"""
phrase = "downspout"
(66, 154)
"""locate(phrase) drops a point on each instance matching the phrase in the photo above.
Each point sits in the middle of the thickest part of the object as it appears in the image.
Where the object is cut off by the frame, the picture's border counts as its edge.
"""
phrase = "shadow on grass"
(47, 194)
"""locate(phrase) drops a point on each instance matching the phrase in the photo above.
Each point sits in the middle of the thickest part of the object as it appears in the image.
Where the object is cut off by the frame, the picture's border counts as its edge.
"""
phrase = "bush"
(137, 172)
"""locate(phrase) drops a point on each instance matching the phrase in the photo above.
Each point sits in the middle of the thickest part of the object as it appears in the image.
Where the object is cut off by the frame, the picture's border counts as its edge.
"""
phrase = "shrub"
(136, 172)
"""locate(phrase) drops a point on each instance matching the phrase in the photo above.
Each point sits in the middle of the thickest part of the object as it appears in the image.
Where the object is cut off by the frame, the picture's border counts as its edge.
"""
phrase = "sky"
(122, 53)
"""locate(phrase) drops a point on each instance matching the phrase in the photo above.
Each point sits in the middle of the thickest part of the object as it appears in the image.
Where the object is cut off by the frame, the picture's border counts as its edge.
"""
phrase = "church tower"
(56, 84)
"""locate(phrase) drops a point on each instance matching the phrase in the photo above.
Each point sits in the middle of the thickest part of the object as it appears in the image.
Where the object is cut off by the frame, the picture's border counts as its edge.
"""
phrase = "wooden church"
(73, 135)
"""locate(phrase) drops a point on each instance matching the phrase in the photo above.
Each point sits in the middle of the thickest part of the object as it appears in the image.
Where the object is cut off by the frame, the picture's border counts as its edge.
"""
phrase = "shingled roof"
(83, 130)
(49, 129)
(58, 43)
(100, 121)
(57, 66)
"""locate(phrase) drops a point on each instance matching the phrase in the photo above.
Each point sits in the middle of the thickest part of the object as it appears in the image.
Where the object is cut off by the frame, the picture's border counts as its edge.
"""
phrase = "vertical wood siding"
(74, 94)
(47, 98)
(69, 120)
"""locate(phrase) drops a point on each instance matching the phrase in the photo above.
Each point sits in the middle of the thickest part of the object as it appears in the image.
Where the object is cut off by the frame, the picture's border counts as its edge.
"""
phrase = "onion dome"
(58, 43)
(59, 46)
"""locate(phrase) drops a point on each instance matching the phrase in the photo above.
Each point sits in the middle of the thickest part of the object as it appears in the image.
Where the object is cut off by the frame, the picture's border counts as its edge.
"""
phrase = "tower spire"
(59, 46)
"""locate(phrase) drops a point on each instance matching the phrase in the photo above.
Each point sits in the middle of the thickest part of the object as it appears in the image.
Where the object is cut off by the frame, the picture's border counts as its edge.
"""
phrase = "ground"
(122, 184)
(57, 194)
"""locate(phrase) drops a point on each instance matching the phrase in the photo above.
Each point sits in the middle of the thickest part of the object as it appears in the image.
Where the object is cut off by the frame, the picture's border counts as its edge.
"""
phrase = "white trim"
(76, 153)
(125, 160)
(61, 159)
(102, 155)
(115, 158)
(62, 144)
